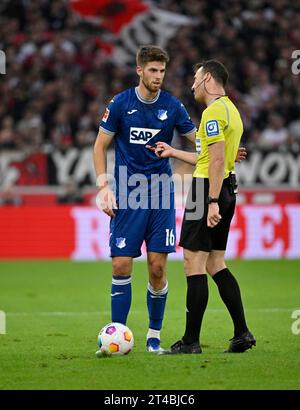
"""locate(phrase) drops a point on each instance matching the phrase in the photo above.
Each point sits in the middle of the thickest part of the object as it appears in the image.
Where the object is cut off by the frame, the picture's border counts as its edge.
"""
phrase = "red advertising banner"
(82, 233)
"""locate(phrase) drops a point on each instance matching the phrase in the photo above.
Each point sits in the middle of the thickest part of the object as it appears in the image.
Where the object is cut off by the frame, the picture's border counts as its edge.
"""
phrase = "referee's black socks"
(230, 293)
(196, 302)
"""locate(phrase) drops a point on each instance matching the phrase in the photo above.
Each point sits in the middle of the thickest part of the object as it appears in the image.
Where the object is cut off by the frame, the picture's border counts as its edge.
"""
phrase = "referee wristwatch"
(211, 200)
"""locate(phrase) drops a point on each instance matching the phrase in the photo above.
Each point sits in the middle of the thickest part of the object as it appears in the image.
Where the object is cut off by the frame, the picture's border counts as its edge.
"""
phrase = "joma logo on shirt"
(142, 135)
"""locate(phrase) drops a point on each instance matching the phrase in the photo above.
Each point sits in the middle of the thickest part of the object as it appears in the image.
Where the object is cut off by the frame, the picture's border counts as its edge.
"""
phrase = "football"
(114, 339)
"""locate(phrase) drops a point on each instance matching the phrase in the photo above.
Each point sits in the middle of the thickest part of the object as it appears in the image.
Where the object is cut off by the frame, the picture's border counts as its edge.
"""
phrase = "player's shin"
(156, 302)
(120, 298)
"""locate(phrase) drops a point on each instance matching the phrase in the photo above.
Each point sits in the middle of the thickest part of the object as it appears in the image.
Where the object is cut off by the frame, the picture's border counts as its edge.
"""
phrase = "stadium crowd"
(59, 75)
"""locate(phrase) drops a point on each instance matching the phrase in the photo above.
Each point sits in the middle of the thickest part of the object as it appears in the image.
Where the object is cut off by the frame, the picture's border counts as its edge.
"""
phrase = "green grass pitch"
(54, 311)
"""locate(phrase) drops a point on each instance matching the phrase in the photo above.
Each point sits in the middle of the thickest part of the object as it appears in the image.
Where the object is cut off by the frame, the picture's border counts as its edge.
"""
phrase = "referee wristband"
(211, 200)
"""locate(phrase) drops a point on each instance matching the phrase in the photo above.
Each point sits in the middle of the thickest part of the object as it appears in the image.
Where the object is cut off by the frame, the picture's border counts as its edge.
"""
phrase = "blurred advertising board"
(82, 232)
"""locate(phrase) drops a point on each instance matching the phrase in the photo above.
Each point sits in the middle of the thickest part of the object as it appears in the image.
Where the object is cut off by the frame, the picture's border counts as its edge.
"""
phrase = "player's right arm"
(106, 200)
(164, 150)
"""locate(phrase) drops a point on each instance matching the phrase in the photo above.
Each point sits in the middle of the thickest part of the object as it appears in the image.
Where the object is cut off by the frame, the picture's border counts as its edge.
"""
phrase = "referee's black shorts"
(195, 234)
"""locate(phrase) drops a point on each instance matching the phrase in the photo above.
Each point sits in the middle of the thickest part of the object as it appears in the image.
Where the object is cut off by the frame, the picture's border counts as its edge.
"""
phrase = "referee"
(204, 236)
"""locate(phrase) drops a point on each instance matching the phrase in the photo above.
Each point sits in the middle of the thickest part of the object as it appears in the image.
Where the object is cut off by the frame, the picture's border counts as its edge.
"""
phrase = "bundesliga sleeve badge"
(106, 115)
(212, 128)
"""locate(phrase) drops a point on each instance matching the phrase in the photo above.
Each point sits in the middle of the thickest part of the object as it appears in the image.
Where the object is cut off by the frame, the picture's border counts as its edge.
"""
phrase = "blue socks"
(120, 298)
(156, 302)
(121, 302)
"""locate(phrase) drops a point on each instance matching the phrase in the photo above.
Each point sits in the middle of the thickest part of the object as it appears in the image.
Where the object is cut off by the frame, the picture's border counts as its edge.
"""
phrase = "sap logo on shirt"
(142, 135)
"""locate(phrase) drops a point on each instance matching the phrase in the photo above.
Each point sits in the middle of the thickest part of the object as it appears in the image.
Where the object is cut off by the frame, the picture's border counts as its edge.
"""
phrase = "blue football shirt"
(134, 123)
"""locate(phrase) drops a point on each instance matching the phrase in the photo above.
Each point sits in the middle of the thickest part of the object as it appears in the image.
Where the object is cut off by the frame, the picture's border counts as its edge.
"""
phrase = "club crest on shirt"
(162, 114)
(120, 243)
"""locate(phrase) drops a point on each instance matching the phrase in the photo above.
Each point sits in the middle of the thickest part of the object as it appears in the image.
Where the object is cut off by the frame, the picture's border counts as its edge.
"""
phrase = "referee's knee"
(213, 267)
(194, 262)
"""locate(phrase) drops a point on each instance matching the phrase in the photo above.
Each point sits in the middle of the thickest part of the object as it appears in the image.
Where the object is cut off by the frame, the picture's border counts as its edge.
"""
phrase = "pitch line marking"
(262, 310)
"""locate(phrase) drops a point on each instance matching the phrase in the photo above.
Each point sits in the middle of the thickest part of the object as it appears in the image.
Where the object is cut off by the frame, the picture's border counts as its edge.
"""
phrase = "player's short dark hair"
(146, 54)
(216, 69)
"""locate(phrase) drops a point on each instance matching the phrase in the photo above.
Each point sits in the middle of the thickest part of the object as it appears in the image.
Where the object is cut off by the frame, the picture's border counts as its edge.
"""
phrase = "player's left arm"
(191, 137)
(183, 123)
(241, 154)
